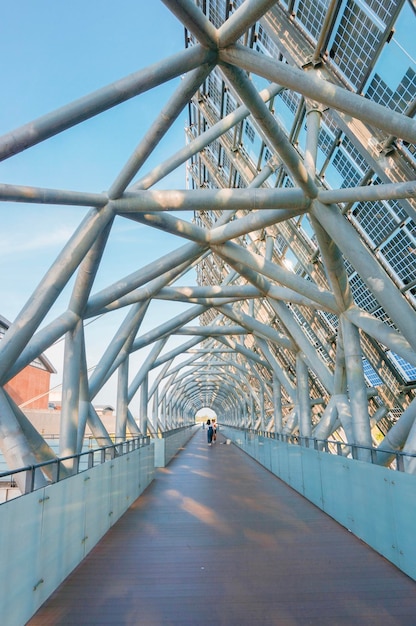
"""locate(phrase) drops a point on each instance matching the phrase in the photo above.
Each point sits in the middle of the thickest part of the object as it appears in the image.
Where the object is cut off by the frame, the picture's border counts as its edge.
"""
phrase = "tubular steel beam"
(303, 399)
(201, 141)
(153, 288)
(271, 129)
(123, 339)
(211, 331)
(278, 372)
(105, 98)
(233, 253)
(164, 121)
(14, 444)
(143, 372)
(209, 291)
(68, 431)
(38, 195)
(250, 223)
(369, 193)
(368, 267)
(322, 91)
(241, 20)
(271, 290)
(195, 21)
(256, 327)
(241, 349)
(330, 15)
(382, 333)
(356, 386)
(122, 401)
(168, 327)
(42, 340)
(173, 225)
(169, 356)
(169, 261)
(49, 289)
(250, 199)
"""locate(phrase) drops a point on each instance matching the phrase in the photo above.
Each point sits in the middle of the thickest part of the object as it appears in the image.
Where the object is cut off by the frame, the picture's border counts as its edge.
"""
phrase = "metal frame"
(261, 355)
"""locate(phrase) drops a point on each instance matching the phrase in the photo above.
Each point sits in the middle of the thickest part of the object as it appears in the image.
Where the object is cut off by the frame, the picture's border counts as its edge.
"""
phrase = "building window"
(370, 374)
(397, 99)
(355, 43)
(249, 132)
(376, 220)
(362, 296)
(407, 370)
(311, 14)
(400, 252)
(350, 174)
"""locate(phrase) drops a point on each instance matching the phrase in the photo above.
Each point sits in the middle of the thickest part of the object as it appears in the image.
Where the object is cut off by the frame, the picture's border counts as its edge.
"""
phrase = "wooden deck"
(218, 540)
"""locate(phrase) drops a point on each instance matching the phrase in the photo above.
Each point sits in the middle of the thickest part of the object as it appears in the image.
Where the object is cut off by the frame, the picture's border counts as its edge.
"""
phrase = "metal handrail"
(333, 446)
(104, 453)
(173, 431)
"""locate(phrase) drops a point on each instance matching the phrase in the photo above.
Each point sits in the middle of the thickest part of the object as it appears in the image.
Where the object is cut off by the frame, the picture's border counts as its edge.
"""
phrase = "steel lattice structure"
(299, 219)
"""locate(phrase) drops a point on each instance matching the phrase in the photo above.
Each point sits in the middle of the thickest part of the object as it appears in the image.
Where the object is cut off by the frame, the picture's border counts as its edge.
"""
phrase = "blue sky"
(53, 53)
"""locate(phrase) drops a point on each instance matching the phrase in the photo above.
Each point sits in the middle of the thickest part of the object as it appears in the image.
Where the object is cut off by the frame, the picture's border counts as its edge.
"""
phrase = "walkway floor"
(218, 540)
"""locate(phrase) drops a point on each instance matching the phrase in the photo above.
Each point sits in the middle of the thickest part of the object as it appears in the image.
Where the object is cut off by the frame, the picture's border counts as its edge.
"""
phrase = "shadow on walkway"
(218, 540)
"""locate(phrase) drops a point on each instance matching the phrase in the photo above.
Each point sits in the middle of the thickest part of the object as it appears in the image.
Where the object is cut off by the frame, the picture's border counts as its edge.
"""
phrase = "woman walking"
(210, 432)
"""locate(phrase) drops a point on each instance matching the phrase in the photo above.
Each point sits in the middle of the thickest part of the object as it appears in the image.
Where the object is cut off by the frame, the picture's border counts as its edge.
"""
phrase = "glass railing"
(26, 479)
(394, 459)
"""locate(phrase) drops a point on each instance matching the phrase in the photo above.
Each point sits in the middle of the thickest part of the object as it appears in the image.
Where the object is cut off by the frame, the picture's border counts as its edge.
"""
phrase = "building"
(30, 387)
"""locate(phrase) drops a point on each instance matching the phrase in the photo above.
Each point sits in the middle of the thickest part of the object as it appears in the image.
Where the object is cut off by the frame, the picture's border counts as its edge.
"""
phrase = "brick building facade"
(30, 387)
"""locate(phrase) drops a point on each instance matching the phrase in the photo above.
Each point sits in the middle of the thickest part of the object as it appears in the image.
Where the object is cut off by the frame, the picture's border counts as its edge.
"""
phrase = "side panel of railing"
(377, 504)
(171, 442)
(45, 534)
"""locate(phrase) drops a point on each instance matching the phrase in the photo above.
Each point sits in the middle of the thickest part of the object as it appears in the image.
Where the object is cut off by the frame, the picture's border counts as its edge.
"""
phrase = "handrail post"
(55, 471)
(30, 479)
(399, 462)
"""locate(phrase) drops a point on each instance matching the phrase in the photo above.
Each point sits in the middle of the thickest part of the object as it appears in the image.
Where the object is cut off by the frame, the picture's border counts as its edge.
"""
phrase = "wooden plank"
(217, 539)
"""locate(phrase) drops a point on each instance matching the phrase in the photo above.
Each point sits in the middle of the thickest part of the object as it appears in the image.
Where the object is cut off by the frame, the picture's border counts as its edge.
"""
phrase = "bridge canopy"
(264, 267)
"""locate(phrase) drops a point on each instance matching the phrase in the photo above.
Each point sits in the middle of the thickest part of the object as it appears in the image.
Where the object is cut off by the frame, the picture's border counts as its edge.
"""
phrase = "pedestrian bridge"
(289, 310)
(212, 535)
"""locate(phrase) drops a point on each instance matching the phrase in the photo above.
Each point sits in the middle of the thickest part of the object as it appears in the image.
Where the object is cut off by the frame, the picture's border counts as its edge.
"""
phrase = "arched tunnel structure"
(298, 265)
(282, 293)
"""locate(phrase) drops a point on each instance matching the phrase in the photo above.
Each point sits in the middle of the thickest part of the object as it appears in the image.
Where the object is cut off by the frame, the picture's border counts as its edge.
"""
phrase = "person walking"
(210, 432)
